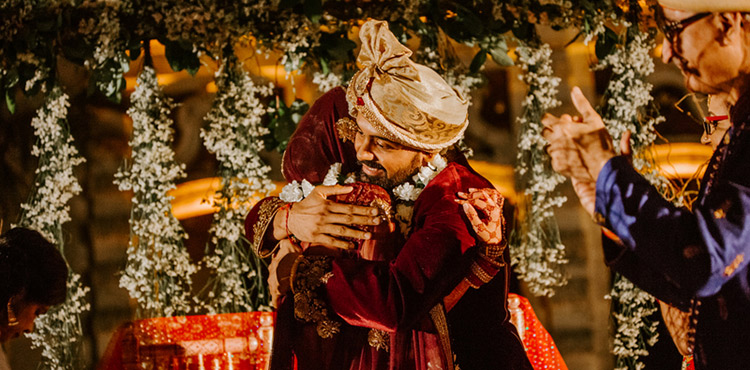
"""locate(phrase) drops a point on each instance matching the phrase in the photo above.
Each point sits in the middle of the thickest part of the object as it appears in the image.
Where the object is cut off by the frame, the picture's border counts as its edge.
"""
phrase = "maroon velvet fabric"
(396, 294)
(315, 144)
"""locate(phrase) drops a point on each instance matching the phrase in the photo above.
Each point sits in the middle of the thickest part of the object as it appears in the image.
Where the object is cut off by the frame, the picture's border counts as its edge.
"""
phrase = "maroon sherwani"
(403, 296)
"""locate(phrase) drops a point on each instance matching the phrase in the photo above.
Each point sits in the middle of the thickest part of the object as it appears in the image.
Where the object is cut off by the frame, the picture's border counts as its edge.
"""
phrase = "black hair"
(31, 266)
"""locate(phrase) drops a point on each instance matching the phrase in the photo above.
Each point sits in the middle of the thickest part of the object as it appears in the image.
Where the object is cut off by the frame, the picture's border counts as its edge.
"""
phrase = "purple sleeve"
(697, 252)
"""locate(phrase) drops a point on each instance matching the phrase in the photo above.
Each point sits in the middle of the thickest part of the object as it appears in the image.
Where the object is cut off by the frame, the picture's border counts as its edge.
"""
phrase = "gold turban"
(406, 102)
(714, 6)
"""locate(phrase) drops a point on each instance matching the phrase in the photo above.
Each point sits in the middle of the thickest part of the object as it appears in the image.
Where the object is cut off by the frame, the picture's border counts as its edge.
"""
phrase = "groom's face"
(384, 162)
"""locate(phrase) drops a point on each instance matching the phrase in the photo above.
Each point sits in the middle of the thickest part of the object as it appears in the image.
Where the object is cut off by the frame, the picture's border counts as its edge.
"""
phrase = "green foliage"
(283, 121)
(606, 43)
(180, 55)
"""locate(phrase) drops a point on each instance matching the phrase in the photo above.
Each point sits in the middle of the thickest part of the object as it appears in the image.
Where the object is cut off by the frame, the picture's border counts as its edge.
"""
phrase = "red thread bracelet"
(288, 208)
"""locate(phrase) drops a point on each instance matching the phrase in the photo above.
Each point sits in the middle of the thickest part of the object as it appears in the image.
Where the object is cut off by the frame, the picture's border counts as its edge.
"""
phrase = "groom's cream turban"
(406, 102)
(714, 6)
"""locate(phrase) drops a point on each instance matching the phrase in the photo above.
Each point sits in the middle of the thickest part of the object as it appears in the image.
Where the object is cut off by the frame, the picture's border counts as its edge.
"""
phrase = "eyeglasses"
(710, 123)
(672, 29)
(693, 105)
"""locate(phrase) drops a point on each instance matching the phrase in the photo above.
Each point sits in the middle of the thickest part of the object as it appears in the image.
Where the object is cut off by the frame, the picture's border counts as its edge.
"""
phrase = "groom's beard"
(389, 181)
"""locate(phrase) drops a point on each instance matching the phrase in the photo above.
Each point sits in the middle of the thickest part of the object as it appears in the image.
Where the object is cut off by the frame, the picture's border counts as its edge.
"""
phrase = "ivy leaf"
(324, 66)
(10, 101)
(500, 54)
(181, 57)
(605, 43)
(283, 122)
(478, 61)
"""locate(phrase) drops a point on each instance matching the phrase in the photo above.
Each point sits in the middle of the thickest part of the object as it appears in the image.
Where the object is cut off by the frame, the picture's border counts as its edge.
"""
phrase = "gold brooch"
(347, 129)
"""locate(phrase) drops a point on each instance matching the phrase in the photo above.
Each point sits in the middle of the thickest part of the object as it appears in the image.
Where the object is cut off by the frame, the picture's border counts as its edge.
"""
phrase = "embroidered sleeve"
(257, 223)
(309, 275)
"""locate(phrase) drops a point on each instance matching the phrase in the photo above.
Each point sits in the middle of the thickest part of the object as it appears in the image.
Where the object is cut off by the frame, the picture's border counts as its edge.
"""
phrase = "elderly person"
(716, 125)
(696, 260)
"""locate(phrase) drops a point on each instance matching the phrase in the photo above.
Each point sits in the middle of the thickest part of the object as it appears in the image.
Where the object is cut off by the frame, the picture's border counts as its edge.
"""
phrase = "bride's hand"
(489, 202)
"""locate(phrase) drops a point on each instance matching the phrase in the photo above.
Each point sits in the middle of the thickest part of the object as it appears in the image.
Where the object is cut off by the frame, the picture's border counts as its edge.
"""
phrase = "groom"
(396, 119)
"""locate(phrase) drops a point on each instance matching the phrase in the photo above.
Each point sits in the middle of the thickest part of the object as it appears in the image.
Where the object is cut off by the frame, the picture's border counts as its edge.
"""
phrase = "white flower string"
(158, 271)
(406, 193)
(296, 191)
(537, 252)
(631, 311)
(58, 332)
(628, 97)
(234, 135)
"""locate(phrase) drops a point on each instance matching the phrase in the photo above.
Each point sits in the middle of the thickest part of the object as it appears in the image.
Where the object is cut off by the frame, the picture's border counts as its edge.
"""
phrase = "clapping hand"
(579, 147)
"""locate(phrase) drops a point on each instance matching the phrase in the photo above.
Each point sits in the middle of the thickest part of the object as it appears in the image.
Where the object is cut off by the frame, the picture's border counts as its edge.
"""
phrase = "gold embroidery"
(307, 276)
(266, 213)
(384, 207)
(719, 214)
(379, 339)
(480, 274)
(437, 314)
(347, 129)
(424, 132)
(729, 270)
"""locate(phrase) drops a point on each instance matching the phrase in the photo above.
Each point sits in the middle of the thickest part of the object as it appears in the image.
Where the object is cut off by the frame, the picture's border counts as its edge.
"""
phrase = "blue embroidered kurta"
(694, 260)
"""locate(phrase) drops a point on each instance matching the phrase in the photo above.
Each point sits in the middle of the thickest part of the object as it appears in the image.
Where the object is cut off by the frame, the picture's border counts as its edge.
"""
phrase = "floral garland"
(234, 135)
(627, 98)
(406, 193)
(537, 252)
(634, 331)
(158, 271)
(58, 332)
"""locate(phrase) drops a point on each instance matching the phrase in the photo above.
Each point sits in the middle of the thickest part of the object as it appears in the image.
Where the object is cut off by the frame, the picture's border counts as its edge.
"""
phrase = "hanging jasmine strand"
(158, 270)
(58, 332)
(628, 97)
(538, 254)
(234, 136)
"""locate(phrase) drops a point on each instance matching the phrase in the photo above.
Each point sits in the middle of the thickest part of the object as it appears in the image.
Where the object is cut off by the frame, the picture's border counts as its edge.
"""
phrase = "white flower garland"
(537, 252)
(234, 136)
(327, 81)
(406, 193)
(625, 109)
(158, 271)
(58, 332)
(294, 192)
(633, 306)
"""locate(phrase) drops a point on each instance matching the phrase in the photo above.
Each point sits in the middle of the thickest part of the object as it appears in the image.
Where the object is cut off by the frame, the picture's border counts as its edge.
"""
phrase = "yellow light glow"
(501, 176)
(674, 161)
(196, 198)
(681, 160)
